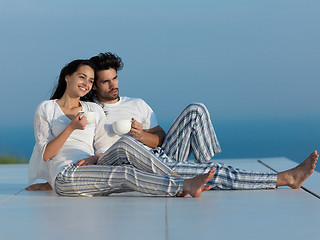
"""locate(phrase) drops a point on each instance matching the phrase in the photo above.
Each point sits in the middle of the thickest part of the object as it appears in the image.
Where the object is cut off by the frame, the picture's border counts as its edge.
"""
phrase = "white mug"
(91, 116)
(122, 127)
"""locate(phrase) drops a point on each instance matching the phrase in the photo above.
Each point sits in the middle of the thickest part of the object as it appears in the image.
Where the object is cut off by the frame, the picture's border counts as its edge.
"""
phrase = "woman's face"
(80, 82)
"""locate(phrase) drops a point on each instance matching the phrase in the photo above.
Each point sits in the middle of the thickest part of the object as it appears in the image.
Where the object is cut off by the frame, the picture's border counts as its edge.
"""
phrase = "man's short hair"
(105, 61)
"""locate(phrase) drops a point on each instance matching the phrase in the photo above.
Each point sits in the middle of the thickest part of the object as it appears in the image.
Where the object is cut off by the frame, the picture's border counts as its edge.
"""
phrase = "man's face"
(106, 86)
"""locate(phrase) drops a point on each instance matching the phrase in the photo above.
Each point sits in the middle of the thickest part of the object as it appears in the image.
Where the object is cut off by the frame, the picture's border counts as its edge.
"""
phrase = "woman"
(67, 147)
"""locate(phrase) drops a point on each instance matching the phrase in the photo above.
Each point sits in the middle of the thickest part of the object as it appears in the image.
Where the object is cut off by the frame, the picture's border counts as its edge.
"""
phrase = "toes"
(206, 187)
(210, 174)
(314, 154)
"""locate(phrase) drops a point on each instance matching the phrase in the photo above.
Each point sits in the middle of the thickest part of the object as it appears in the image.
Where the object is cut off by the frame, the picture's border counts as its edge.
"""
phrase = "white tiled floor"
(270, 214)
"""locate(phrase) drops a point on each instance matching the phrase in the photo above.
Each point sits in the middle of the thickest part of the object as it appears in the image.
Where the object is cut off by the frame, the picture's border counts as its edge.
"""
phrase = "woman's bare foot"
(39, 187)
(296, 176)
(195, 186)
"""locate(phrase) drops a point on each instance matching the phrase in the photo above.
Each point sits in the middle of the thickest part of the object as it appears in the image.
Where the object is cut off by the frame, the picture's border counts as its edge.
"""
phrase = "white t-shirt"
(128, 108)
(49, 122)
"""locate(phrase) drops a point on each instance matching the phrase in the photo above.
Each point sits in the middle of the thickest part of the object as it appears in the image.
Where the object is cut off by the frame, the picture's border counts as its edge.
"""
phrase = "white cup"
(91, 116)
(122, 127)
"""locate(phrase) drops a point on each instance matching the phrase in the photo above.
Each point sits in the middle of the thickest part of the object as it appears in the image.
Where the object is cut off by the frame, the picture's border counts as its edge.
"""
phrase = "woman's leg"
(39, 187)
(104, 180)
(127, 150)
(230, 178)
(193, 130)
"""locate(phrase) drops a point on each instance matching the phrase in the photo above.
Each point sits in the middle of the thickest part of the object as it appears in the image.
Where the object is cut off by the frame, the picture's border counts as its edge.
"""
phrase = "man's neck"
(109, 101)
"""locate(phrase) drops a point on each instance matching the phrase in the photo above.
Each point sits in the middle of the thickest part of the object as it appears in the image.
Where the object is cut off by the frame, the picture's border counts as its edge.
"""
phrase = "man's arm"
(151, 137)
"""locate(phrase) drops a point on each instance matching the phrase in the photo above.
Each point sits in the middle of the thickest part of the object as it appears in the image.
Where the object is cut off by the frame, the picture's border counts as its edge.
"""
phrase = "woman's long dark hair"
(69, 69)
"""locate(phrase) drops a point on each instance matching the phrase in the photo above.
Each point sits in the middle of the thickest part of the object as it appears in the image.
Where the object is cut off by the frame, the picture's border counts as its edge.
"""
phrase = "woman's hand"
(79, 122)
(56, 144)
(92, 160)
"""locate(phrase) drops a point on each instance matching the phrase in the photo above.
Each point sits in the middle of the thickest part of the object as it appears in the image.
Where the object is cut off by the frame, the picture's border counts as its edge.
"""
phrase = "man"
(191, 130)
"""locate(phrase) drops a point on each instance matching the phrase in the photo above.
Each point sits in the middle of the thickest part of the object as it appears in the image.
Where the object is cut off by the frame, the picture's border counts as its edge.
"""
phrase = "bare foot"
(296, 176)
(39, 187)
(195, 186)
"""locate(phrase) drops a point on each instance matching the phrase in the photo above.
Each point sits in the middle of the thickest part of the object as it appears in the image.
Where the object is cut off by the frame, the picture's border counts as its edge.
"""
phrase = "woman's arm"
(54, 146)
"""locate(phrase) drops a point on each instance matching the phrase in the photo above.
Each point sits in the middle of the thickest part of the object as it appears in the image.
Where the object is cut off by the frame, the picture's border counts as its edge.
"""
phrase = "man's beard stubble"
(115, 96)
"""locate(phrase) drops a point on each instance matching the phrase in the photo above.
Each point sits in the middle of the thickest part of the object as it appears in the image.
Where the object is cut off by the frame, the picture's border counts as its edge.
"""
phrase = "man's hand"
(151, 137)
(136, 130)
(92, 160)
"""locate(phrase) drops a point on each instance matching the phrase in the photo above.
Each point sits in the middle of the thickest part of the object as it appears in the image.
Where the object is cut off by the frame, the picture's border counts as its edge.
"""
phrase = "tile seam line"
(302, 187)
(5, 200)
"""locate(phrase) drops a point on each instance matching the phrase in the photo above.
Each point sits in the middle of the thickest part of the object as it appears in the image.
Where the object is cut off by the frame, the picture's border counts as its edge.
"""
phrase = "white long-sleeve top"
(49, 122)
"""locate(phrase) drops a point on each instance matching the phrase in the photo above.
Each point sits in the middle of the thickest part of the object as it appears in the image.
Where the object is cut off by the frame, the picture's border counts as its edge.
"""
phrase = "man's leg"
(193, 130)
(296, 176)
(227, 177)
(103, 180)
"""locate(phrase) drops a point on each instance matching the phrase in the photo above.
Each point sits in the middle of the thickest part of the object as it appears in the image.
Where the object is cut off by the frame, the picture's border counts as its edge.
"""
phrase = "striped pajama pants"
(125, 166)
(129, 166)
(193, 131)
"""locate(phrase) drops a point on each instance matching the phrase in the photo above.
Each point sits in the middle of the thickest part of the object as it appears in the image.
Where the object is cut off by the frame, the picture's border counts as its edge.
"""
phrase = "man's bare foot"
(195, 186)
(296, 176)
(39, 187)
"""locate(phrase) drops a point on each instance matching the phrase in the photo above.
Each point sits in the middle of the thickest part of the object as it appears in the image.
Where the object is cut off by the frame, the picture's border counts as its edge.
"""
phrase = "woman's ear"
(67, 78)
(94, 87)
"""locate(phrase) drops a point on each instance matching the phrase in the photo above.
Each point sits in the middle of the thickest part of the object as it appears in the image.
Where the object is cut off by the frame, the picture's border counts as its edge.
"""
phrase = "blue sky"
(243, 59)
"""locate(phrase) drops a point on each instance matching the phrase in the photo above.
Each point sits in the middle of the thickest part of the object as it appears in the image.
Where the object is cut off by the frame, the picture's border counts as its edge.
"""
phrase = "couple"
(80, 159)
